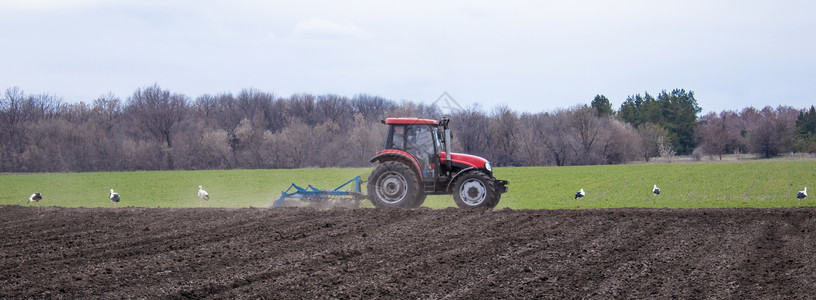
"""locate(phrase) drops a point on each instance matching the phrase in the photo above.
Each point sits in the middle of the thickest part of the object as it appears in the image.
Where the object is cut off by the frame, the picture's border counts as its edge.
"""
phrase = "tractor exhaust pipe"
(447, 145)
(444, 123)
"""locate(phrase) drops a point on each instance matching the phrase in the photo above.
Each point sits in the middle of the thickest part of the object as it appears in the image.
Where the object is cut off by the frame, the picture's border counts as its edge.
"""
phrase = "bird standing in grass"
(580, 194)
(114, 197)
(656, 190)
(36, 197)
(801, 195)
(203, 195)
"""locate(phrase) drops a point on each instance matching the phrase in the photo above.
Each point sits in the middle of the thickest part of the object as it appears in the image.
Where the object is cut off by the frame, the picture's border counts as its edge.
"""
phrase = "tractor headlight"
(488, 167)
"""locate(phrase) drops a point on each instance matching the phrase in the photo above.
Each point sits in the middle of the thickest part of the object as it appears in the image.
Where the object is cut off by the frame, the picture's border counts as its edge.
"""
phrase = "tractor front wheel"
(475, 189)
(393, 184)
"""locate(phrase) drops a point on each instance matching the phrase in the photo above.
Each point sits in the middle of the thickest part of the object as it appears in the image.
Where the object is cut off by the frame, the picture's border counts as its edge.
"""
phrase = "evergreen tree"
(679, 110)
(806, 122)
(602, 106)
(639, 110)
(806, 130)
(676, 112)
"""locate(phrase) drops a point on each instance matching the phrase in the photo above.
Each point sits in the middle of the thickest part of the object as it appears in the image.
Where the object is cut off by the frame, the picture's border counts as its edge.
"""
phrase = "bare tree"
(585, 123)
(335, 108)
(618, 142)
(713, 134)
(651, 137)
(216, 150)
(503, 129)
(298, 142)
(556, 137)
(665, 149)
(303, 107)
(12, 131)
(18, 113)
(719, 134)
(470, 130)
(372, 108)
(774, 132)
(530, 143)
(366, 137)
(106, 109)
(157, 111)
(411, 109)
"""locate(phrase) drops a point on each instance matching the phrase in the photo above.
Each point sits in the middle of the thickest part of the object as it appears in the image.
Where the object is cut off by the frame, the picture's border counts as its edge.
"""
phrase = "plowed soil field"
(294, 253)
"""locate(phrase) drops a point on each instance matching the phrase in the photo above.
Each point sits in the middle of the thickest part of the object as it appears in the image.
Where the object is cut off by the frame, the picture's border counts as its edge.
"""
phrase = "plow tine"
(280, 201)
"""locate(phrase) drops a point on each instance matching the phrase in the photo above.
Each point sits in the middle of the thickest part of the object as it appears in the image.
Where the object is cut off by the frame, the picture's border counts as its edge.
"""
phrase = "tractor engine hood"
(468, 160)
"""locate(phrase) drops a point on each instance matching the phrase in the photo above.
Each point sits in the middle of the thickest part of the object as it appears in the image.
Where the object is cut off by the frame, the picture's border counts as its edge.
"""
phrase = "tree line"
(156, 129)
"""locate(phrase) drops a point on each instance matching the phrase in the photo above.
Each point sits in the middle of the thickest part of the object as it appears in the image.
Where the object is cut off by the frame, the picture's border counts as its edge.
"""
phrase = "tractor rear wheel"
(420, 199)
(393, 184)
(475, 189)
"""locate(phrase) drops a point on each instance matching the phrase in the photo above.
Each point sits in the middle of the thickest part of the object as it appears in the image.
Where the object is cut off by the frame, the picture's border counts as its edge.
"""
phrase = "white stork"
(656, 190)
(801, 195)
(36, 197)
(114, 197)
(203, 195)
(580, 194)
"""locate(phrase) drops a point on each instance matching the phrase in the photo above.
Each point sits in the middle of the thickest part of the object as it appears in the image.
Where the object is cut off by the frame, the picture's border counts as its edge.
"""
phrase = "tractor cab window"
(397, 138)
(420, 141)
(437, 140)
(416, 138)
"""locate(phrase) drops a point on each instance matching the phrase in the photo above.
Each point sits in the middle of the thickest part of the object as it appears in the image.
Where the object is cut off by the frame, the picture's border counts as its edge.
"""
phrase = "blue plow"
(345, 195)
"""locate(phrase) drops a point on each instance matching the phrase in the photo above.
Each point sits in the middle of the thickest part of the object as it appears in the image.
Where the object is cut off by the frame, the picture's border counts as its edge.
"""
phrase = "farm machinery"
(346, 195)
(416, 161)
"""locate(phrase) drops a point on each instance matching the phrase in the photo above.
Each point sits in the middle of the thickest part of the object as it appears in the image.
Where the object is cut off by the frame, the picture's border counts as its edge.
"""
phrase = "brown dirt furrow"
(396, 253)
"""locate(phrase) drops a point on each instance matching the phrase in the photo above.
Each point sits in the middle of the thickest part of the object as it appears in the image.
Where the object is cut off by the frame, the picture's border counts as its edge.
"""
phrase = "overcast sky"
(532, 56)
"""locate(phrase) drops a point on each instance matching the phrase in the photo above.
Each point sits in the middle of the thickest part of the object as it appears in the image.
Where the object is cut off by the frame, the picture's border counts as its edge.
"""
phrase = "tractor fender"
(388, 155)
(453, 179)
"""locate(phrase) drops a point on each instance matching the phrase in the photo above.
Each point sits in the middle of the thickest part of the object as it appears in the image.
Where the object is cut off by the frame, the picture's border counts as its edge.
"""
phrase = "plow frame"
(315, 195)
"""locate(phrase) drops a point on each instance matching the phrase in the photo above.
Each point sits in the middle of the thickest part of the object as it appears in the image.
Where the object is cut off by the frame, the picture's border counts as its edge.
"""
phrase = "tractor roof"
(410, 121)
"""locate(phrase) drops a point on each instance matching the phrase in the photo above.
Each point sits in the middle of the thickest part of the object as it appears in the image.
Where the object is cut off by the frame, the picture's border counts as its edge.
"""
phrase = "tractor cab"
(419, 139)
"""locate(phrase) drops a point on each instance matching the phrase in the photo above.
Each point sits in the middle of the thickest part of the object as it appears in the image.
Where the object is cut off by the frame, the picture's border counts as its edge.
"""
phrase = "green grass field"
(683, 185)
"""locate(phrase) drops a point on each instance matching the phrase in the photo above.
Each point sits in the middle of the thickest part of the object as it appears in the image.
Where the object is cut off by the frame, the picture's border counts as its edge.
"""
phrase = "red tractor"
(417, 161)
